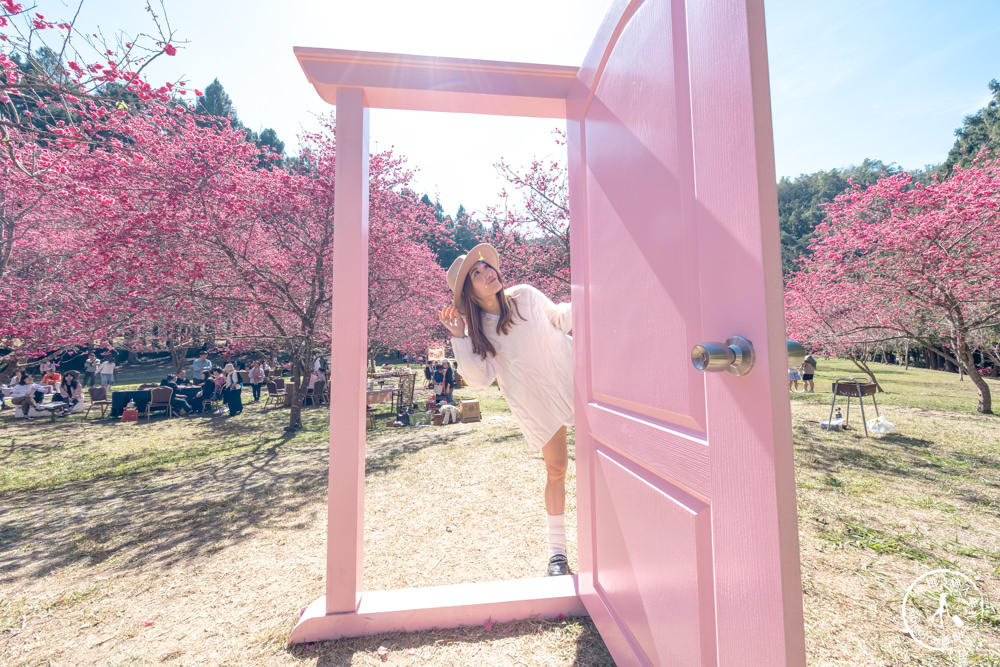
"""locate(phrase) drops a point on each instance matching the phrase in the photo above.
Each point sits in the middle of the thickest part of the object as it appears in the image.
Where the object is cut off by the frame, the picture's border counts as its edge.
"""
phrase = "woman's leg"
(556, 462)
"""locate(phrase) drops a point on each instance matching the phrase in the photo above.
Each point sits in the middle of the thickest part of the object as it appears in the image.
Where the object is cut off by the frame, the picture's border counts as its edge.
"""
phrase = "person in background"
(438, 382)
(808, 371)
(794, 375)
(53, 379)
(429, 374)
(201, 366)
(25, 394)
(90, 370)
(71, 393)
(178, 402)
(182, 378)
(106, 369)
(46, 366)
(256, 377)
(232, 390)
(449, 382)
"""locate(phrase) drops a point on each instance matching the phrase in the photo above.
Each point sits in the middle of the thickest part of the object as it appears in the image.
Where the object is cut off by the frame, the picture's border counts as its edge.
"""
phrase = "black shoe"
(558, 566)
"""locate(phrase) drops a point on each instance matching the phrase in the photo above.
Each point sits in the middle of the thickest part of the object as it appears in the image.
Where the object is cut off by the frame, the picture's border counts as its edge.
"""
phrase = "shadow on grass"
(157, 506)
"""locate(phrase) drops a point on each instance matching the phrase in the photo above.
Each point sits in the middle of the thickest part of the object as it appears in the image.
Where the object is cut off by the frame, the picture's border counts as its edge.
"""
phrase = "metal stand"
(854, 388)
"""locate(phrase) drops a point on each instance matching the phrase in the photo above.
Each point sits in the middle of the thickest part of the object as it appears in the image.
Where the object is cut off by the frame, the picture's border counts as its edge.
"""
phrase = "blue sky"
(889, 80)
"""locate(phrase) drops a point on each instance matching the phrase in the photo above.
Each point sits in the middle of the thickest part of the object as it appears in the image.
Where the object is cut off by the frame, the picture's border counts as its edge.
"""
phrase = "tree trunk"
(907, 366)
(966, 360)
(301, 358)
(178, 356)
(863, 367)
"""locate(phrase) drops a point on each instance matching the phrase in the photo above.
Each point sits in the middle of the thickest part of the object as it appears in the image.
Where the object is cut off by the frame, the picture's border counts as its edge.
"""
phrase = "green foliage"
(216, 102)
(800, 203)
(459, 233)
(979, 130)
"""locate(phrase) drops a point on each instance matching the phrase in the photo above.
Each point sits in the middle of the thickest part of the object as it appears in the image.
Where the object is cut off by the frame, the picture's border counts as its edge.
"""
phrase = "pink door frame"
(355, 81)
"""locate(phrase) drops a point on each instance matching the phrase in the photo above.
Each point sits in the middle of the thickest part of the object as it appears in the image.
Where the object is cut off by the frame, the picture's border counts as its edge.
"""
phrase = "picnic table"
(385, 395)
(51, 408)
(120, 398)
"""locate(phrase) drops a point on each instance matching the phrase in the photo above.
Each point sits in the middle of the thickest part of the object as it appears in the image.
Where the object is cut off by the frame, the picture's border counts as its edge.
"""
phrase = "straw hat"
(229, 368)
(460, 268)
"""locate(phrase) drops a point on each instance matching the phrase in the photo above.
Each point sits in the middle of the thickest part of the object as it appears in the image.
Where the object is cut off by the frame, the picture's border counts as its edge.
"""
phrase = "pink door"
(687, 521)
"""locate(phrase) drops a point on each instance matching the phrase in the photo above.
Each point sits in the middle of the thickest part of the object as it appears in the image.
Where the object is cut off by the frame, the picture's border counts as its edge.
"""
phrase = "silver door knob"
(796, 353)
(735, 356)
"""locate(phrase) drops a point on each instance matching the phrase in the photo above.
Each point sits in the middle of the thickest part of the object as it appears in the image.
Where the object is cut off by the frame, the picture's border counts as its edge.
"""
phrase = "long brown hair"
(481, 345)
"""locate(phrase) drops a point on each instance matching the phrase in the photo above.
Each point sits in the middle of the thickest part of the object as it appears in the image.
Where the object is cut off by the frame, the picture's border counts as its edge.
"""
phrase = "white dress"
(533, 363)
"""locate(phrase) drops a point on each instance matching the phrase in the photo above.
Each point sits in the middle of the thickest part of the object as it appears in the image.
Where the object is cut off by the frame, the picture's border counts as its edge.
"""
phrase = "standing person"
(25, 394)
(438, 380)
(449, 382)
(518, 336)
(201, 366)
(90, 370)
(71, 392)
(429, 374)
(256, 377)
(106, 369)
(794, 375)
(232, 390)
(808, 371)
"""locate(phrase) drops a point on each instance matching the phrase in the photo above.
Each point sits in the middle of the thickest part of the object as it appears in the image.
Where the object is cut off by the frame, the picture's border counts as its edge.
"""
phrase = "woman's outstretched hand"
(452, 321)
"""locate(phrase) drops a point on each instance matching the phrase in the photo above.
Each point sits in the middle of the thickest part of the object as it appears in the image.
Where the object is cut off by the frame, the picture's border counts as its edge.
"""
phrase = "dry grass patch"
(875, 513)
(198, 540)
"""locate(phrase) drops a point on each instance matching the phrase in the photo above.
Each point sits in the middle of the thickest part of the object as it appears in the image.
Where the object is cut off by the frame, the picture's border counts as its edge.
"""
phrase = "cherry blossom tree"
(901, 260)
(530, 228)
(65, 89)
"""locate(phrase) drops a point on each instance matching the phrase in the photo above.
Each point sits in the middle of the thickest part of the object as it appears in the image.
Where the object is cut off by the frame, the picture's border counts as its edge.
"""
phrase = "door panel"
(638, 172)
(670, 617)
(688, 539)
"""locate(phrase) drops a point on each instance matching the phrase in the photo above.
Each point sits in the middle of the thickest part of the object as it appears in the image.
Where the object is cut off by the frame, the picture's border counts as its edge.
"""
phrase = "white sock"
(557, 534)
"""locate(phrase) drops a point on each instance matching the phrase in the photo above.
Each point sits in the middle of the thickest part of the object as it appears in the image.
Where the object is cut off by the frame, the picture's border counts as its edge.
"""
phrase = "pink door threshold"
(414, 609)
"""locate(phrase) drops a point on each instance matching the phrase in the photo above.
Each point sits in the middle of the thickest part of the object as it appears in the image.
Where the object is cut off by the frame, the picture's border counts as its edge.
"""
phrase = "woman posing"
(519, 337)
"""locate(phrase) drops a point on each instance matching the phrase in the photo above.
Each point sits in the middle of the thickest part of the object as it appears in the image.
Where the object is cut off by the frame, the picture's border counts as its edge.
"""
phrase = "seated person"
(52, 379)
(26, 394)
(178, 402)
(70, 392)
(182, 377)
(219, 378)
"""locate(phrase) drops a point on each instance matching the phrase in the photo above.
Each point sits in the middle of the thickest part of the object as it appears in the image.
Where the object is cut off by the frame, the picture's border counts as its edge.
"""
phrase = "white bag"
(881, 426)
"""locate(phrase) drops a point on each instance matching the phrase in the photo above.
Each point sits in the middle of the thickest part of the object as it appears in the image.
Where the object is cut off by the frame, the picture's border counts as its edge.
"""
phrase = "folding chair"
(98, 398)
(274, 393)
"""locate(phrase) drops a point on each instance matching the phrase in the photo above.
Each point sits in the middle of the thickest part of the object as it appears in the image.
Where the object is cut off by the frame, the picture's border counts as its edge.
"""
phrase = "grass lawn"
(198, 540)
